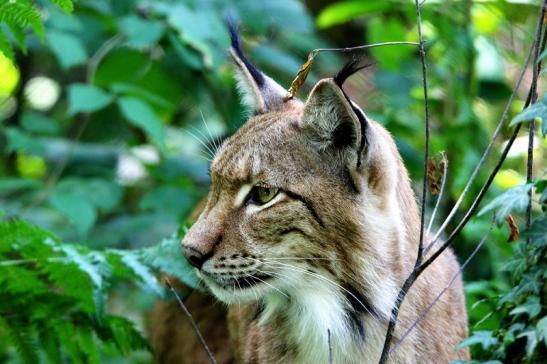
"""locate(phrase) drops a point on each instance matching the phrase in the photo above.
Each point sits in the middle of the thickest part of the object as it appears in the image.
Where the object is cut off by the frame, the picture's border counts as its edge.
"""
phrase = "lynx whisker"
(301, 258)
(207, 149)
(214, 140)
(278, 275)
(268, 284)
(206, 140)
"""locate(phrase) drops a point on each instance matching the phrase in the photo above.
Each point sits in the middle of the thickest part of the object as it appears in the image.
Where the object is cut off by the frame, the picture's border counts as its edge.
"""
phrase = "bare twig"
(530, 159)
(443, 291)
(192, 322)
(421, 49)
(418, 269)
(306, 67)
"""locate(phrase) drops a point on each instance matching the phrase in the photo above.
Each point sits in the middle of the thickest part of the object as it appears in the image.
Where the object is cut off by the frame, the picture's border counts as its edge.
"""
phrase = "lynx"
(308, 232)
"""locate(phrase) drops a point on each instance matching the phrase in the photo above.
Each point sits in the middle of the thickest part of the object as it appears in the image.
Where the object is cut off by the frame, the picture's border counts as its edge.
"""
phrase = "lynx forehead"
(309, 229)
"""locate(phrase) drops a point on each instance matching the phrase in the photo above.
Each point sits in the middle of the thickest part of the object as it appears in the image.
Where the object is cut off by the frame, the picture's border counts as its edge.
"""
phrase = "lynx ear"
(337, 125)
(260, 93)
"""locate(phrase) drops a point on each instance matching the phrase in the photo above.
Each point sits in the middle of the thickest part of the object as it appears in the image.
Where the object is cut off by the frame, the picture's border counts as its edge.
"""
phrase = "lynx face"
(265, 226)
(283, 213)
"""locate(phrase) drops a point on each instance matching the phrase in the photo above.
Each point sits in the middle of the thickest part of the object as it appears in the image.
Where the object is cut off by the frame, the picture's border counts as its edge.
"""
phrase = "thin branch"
(192, 322)
(443, 291)
(413, 276)
(530, 159)
(439, 199)
(359, 48)
(426, 110)
(306, 67)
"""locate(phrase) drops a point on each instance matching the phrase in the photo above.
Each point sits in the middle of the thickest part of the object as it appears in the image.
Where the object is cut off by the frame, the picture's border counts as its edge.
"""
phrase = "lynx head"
(304, 193)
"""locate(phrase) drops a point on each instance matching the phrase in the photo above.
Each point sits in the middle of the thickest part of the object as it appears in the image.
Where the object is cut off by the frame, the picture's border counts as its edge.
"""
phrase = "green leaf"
(19, 141)
(10, 185)
(532, 307)
(537, 110)
(141, 33)
(76, 209)
(86, 98)
(168, 198)
(34, 122)
(140, 114)
(538, 231)
(101, 193)
(531, 341)
(342, 12)
(67, 48)
(167, 257)
(514, 199)
(541, 329)
(484, 338)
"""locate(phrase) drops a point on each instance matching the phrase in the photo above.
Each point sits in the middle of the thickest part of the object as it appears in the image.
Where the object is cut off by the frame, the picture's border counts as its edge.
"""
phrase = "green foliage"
(53, 295)
(537, 110)
(520, 335)
(20, 15)
(109, 148)
(515, 199)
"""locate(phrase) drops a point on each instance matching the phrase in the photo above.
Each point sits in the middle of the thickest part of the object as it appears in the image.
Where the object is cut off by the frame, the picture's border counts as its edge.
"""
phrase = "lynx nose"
(194, 256)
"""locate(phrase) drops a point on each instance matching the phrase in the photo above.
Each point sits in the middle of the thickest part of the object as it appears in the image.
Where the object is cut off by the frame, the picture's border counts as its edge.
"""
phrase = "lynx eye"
(261, 195)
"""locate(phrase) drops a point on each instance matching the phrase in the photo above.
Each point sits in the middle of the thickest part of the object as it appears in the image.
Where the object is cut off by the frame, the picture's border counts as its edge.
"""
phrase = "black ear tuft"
(255, 73)
(349, 69)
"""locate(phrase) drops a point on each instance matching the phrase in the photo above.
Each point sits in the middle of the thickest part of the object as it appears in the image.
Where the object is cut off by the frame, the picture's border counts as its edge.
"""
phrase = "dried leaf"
(514, 229)
(432, 178)
(435, 173)
(300, 77)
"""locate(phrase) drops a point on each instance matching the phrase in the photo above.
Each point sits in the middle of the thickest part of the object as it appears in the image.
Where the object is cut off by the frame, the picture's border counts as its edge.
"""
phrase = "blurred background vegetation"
(108, 109)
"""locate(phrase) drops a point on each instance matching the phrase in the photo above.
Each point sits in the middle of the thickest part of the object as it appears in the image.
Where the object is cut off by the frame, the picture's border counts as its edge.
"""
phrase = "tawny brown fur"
(335, 244)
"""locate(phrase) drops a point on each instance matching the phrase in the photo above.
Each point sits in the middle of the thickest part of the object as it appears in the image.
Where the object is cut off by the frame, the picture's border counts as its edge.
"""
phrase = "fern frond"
(66, 334)
(5, 46)
(50, 344)
(88, 346)
(140, 270)
(66, 5)
(122, 334)
(20, 337)
(22, 14)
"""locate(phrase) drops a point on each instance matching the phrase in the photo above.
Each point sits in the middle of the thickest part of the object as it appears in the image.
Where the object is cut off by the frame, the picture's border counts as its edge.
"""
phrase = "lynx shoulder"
(309, 229)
